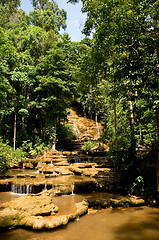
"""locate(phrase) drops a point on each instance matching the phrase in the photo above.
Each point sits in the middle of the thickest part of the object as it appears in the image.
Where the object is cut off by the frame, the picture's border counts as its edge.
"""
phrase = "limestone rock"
(120, 202)
(34, 205)
(37, 212)
(82, 208)
(44, 222)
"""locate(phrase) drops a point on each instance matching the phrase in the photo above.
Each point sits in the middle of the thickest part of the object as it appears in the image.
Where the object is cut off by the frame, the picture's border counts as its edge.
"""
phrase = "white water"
(72, 187)
(45, 189)
(21, 189)
(76, 130)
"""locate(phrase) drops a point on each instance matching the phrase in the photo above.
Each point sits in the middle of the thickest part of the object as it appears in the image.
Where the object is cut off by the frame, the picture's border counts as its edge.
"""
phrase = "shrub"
(34, 150)
(9, 156)
(138, 186)
(88, 145)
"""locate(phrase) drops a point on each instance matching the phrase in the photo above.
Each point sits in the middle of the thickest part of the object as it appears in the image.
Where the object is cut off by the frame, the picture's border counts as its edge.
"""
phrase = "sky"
(75, 18)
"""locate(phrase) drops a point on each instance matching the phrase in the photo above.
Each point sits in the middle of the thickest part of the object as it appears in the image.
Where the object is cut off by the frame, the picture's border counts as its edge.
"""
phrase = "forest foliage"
(113, 76)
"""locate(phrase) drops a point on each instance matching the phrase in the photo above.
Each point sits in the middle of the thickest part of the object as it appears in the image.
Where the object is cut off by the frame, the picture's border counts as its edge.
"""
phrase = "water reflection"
(6, 196)
(119, 224)
(143, 225)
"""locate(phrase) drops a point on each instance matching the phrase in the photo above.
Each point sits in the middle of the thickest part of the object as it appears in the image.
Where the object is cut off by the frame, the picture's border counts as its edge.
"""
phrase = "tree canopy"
(113, 76)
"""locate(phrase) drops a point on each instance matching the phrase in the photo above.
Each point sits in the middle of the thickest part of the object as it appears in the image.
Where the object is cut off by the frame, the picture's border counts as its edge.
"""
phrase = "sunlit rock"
(37, 211)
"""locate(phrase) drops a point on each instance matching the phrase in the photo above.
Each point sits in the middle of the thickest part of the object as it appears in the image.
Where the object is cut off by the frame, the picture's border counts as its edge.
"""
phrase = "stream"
(139, 223)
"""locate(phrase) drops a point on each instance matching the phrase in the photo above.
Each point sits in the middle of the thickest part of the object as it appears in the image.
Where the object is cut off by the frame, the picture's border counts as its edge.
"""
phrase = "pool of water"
(120, 224)
(7, 196)
(139, 223)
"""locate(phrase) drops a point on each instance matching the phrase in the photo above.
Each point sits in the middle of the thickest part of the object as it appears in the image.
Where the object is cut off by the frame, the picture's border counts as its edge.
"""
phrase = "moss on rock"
(36, 211)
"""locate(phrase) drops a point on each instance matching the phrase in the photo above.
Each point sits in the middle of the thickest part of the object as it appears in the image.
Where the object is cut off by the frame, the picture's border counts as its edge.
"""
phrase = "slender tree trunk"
(85, 115)
(156, 29)
(115, 125)
(133, 141)
(15, 128)
(115, 115)
(158, 157)
(41, 127)
(96, 120)
(54, 138)
(45, 127)
(23, 123)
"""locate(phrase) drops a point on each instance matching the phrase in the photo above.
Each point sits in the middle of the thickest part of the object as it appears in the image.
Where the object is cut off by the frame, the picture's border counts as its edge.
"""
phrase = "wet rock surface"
(39, 211)
(119, 202)
(36, 211)
(36, 205)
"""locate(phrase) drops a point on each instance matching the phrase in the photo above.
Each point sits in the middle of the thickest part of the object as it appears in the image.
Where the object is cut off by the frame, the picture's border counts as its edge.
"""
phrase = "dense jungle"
(54, 91)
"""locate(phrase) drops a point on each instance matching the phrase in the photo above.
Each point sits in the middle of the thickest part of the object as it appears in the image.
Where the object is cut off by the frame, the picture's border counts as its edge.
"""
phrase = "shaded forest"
(112, 77)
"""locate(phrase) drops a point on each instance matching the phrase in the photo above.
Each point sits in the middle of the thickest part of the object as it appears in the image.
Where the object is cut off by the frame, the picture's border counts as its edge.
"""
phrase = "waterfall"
(76, 130)
(45, 189)
(29, 189)
(21, 188)
(72, 187)
(51, 163)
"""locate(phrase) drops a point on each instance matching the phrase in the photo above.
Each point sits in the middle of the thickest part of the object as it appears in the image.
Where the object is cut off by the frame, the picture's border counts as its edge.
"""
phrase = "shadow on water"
(118, 224)
(141, 225)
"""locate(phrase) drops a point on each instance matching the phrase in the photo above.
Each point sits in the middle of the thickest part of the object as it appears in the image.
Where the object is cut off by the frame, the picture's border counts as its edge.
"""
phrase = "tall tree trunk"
(133, 141)
(156, 28)
(115, 115)
(96, 120)
(158, 157)
(115, 125)
(54, 138)
(15, 128)
(45, 127)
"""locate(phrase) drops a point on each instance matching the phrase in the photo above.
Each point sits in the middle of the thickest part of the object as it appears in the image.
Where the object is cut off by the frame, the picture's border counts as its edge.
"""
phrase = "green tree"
(7, 59)
(54, 89)
(7, 10)
(126, 36)
(32, 36)
(48, 16)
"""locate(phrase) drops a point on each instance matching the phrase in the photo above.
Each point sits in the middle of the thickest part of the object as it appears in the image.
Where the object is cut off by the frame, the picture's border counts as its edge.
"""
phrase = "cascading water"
(29, 189)
(72, 187)
(21, 188)
(76, 130)
(45, 189)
